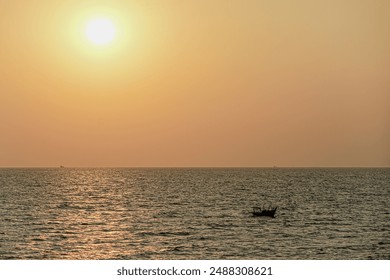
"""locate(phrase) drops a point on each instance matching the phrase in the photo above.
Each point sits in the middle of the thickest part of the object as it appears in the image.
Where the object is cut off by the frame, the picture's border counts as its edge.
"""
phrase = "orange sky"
(196, 83)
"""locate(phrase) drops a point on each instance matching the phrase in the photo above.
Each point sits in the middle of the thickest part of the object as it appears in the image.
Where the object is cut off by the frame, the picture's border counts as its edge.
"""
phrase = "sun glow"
(100, 31)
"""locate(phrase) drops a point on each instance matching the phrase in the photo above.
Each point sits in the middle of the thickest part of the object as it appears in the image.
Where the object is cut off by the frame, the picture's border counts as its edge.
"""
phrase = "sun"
(100, 31)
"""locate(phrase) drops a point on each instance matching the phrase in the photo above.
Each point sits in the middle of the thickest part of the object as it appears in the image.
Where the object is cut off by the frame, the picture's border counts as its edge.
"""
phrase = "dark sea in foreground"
(121, 213)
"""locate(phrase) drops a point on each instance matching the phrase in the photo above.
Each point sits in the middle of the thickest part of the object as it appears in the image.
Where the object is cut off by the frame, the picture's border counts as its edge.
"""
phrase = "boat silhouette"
(258, 211)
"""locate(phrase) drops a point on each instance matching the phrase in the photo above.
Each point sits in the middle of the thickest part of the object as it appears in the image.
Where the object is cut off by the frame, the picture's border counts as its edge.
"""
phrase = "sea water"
(194, 213)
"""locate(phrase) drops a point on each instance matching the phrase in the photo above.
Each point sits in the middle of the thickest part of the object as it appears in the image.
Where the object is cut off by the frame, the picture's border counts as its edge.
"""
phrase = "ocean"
(194, 213)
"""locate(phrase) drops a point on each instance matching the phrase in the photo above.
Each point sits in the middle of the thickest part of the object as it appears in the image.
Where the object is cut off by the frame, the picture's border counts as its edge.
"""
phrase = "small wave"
(38, 239)
(165, 233)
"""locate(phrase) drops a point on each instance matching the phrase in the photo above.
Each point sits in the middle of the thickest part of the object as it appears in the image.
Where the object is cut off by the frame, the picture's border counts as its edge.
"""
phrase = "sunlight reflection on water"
(194, 214)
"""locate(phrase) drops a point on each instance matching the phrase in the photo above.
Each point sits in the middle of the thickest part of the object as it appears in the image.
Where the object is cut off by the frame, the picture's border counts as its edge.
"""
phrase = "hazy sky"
(196, 83)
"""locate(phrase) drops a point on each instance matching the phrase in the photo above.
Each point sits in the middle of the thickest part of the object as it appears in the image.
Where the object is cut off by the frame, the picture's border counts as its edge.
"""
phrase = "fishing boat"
(258, 211)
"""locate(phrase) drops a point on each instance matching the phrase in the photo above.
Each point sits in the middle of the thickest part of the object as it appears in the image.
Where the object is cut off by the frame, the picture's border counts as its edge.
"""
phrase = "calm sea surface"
(86, 213)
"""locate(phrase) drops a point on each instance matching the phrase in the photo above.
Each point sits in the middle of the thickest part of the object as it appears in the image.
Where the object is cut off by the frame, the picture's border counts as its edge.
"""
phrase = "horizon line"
(186, 167)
